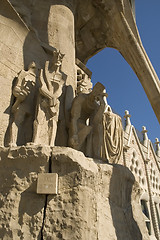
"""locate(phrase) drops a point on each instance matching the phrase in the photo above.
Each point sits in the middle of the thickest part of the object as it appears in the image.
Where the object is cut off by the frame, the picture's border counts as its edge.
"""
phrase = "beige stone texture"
(18, 48)
(78, 29)
(47, 110)
(83, 28)
(21, 208)
(95, 200)
(84, 84)
(53, 22)
(142, 160)
(154, 170)
(47, 183)
(94, 128)
(134, 161)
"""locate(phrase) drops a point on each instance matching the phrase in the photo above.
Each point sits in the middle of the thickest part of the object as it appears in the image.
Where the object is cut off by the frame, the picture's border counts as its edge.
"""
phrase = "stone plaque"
(47, 183)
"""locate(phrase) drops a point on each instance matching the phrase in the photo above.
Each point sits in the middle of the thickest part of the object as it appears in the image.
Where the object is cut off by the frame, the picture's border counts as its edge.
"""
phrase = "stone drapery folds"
(113, 136)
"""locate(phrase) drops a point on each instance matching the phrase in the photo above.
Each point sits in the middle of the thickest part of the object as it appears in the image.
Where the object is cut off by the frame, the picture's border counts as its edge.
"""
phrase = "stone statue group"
(93, 128)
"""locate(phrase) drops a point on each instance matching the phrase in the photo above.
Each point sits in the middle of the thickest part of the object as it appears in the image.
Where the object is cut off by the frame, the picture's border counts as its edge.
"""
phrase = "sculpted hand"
(21, 92)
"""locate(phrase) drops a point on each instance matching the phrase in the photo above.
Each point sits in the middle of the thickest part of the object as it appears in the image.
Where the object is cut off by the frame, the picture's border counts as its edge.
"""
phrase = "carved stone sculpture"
(84, 84)
(97, 126)
(83, 109)
(30, 30)
(105, 23)
(96, 139)
(22, 110)
(113, 136)
(106, 137)
(51, 83)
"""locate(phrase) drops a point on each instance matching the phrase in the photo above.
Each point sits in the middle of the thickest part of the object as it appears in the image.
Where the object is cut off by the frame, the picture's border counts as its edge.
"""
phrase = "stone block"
(47, 183)
(95, 200)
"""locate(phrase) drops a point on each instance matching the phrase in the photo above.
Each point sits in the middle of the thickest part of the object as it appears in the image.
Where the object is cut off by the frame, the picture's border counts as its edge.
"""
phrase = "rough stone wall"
(95, 200)
(18, 48)
(21, 209)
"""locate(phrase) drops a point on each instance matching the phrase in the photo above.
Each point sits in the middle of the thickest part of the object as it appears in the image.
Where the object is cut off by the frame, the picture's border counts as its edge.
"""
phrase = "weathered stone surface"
(18, 48)
(83, 28)
(95, 200)
(21, 208)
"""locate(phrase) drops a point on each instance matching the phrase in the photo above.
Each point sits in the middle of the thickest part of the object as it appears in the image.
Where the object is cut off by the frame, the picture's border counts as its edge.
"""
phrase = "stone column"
(157, 147)
(146, 143)
(152, 205)
(61, 35)
(127, 122)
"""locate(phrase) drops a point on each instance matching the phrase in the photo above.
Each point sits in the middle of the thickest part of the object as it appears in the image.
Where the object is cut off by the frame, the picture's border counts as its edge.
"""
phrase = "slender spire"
(127, 121)
(157, 142)
(145, 136)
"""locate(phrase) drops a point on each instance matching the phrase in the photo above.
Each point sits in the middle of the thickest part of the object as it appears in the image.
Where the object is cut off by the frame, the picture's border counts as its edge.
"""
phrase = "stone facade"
(68, 169)
(91, 193)
(144, 162)
(94, 201)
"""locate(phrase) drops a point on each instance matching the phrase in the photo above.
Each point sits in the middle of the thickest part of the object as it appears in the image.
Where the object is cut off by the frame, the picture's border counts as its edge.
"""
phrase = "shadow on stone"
(121, 186)
(28, 206)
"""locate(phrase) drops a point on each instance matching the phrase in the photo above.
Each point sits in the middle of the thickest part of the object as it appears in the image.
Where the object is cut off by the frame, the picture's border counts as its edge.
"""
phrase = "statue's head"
(57, 58)
(98, 89)
(84, 84)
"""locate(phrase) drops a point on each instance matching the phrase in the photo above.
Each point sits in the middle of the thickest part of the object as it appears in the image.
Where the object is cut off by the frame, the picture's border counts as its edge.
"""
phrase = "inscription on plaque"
(47, 183)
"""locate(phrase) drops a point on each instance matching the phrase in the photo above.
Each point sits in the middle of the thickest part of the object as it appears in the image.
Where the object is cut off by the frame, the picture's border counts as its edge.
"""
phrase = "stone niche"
(95, 200)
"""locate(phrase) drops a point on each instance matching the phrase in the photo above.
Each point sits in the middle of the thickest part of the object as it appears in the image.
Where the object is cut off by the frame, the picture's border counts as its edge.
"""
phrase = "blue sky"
(123, 87)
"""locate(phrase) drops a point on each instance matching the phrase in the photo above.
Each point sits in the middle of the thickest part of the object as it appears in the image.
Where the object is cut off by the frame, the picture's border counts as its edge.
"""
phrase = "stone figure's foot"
(31, 144)
(11, 145)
